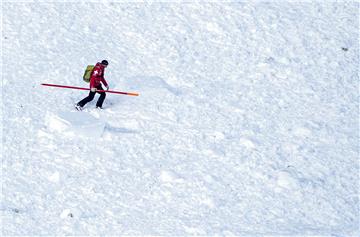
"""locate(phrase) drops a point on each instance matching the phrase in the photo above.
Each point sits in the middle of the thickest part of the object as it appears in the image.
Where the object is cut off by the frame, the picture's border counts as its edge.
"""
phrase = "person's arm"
(97, 72)
(105, 83)
(92, 82)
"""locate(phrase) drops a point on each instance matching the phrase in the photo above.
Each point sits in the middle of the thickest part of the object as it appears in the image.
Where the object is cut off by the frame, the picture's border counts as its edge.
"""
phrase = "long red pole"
(87, 89)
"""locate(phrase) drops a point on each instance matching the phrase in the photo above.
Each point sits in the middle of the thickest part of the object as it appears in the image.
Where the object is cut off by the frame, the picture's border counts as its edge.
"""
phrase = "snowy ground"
(247, 121)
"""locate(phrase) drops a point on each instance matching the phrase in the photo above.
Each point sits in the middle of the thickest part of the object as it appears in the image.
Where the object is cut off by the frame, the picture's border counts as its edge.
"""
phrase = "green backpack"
(87, 73)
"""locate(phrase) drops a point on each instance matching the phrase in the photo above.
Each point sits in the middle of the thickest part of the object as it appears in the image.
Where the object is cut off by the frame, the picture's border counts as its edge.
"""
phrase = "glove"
(93, 89)
(107, 87)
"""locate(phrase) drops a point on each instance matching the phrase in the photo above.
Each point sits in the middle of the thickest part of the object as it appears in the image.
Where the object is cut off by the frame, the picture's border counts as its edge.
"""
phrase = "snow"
(75, 124)
(247, 121)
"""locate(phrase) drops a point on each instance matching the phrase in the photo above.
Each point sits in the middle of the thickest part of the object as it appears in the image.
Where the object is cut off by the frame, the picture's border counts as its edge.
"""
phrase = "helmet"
(104, 62)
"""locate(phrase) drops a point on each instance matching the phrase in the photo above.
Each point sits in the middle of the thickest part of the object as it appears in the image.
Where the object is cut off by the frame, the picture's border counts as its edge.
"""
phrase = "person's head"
(105, 63)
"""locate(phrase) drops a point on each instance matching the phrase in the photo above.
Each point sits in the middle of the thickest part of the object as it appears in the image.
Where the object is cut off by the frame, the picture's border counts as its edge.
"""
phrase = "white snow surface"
(75, 124)
(247, 121)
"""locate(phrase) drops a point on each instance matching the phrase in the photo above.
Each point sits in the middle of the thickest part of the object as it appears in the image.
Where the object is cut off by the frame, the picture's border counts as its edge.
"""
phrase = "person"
(96, 78)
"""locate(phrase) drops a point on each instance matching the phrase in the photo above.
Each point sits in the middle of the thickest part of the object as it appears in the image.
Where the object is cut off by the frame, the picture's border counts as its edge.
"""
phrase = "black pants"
(91, 96)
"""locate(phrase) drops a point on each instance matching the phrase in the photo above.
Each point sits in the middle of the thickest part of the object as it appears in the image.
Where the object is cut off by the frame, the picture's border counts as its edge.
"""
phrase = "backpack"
(88, 72)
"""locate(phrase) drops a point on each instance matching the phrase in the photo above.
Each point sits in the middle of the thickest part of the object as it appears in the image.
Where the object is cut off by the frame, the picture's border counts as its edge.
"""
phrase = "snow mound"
(75, 123)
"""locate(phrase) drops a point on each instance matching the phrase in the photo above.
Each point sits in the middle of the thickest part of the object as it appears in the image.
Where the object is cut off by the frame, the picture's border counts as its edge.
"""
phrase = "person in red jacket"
(96, 78)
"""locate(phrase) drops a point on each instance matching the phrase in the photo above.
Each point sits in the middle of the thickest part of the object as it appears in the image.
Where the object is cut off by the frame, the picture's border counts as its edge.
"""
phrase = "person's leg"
(101, 99)
(87, 99)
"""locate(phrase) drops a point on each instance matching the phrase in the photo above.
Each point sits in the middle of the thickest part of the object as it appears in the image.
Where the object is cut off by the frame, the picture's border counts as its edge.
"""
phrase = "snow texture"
(247, 121)
(75, 124)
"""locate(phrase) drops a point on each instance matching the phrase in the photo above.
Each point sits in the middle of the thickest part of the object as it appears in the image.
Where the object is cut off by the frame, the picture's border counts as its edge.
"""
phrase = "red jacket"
(97, 76)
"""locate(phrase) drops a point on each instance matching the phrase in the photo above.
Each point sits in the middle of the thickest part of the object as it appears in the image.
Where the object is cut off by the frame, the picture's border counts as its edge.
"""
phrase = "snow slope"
(247, 121)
